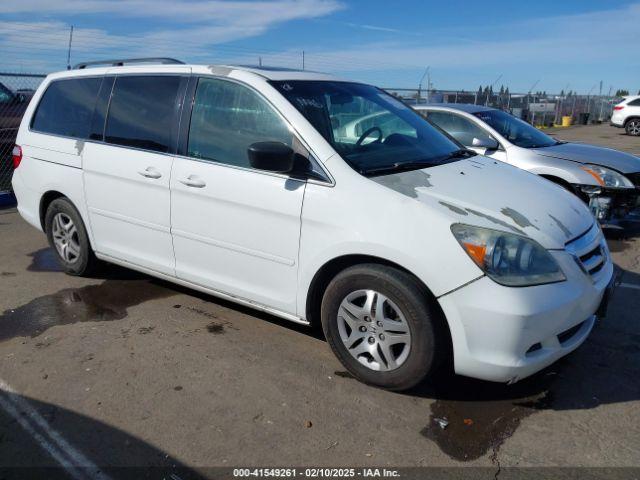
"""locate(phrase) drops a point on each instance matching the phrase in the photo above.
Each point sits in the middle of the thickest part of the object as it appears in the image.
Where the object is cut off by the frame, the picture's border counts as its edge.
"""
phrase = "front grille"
(568, 334)
(589, 251)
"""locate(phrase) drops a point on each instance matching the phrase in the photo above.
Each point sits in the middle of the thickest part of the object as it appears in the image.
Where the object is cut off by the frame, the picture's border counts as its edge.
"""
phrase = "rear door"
(235, 229)
(128, 169)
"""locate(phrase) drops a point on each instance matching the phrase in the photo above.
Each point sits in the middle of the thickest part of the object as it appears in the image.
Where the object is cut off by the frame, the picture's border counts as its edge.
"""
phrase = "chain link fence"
(541, 110)
(16, 90)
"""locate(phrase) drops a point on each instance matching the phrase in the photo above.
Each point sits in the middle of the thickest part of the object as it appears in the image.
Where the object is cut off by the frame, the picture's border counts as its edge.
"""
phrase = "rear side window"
(142, 113)
(634, 103)
(227, 118)
(66, 107)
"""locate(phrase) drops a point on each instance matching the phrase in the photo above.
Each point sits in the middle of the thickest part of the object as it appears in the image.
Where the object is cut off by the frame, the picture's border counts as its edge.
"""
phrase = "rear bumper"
(504, 334)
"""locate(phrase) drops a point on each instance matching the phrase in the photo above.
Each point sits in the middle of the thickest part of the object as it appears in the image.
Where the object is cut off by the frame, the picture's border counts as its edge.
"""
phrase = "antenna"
(69, 49)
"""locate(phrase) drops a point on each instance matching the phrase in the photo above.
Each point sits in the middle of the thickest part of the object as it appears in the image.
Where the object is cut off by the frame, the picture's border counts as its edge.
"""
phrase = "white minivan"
(241, 182)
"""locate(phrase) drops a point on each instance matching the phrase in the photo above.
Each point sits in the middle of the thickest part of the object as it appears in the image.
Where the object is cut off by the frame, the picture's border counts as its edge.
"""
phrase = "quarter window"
(66, 107)
(142, 113)
(227, 118)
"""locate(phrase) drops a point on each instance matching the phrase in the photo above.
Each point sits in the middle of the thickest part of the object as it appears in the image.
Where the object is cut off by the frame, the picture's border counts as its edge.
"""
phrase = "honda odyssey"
(245, 183)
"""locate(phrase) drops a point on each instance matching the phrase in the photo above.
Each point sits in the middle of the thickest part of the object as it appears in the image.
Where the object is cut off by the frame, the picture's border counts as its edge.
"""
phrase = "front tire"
(383, 326)
(632, 127)
(68, 238)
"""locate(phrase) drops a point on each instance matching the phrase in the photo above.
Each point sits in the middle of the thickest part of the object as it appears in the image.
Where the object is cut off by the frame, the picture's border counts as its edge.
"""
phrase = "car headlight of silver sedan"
(508, 259)
(607, 177)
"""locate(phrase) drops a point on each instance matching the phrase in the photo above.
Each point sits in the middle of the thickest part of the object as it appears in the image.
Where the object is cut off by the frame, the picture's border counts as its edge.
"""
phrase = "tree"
(621, 93)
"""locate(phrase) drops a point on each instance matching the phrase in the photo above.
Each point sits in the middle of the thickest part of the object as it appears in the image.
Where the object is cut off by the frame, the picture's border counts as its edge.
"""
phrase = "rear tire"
(632, 127)
(383, 326)
(68, 238)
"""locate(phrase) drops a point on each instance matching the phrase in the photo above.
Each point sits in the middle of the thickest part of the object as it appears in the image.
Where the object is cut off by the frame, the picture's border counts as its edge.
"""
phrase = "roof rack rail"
(125, 61)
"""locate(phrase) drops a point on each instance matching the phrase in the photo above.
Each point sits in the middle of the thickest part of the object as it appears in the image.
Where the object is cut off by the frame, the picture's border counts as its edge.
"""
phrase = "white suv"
(626, 114)
(243, 183)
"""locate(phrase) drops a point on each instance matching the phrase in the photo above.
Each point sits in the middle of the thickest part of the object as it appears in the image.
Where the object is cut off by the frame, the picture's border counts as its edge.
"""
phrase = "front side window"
(66, 107)
(374, 132)
(460, 128)
(516, 131)
(142, 113)
(227, 118)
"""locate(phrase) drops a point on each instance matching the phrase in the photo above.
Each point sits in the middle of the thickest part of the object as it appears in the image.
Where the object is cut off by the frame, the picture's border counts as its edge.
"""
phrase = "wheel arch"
(46, 199)
(331, 268)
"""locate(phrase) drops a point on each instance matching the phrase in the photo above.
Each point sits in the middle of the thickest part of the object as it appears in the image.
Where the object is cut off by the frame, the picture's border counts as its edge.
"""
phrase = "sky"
(547, 45)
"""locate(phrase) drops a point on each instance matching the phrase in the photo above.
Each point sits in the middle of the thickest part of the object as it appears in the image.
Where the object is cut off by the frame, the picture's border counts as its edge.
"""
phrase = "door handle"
(193, 181)
(150, 172)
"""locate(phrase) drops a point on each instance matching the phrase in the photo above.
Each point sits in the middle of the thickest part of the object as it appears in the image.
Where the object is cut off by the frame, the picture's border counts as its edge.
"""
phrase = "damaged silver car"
(607, 180)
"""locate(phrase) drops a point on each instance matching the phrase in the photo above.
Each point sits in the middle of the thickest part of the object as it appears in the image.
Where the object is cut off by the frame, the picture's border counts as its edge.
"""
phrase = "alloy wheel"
(65, 237)
(633, 127)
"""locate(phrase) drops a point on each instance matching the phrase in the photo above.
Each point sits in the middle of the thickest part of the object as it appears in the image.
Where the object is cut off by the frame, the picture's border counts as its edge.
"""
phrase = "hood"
(484, 192)
(585, 153)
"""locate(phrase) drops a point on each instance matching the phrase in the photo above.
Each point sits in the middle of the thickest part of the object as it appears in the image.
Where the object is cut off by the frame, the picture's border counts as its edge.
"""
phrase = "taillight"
(17, 156)
(618, 107)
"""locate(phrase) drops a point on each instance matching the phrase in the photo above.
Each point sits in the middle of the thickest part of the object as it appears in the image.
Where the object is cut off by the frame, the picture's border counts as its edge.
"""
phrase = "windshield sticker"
(286, 87)
(309, 102)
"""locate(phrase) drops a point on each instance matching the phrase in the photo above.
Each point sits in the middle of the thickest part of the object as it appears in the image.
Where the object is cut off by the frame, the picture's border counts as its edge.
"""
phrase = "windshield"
(370, 129)
(517, 131)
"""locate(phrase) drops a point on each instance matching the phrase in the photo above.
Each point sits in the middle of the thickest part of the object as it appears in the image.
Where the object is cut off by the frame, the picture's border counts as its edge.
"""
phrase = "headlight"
(508, 259)
(607, 177)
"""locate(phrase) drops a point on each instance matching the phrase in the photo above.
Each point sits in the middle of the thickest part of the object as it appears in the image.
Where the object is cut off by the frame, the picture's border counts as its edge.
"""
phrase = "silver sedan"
(608, 180)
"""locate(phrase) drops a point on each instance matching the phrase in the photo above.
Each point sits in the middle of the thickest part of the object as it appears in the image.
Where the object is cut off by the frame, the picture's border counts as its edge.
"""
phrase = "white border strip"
(74, 462)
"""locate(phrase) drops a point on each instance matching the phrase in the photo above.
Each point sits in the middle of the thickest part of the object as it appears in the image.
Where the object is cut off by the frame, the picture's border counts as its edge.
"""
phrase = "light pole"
(428, 75)
(486, 103)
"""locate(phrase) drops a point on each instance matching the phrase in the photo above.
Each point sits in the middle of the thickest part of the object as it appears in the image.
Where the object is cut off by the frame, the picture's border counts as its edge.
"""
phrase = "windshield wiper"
(461, 153)
(406, 166)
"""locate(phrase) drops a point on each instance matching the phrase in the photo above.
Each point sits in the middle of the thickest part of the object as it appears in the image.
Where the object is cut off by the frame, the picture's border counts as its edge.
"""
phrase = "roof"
(279, 73)
(463, 107)
(142, 65)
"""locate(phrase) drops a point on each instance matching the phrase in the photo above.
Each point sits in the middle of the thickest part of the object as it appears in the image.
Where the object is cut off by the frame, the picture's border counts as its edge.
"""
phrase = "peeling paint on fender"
(453, 208)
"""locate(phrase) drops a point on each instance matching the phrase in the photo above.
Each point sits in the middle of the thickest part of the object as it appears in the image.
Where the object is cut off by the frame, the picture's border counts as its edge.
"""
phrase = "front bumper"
(505, 334)
(609, 205)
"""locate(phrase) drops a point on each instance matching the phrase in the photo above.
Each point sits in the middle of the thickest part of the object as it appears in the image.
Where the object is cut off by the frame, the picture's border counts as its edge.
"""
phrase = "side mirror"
(271, 156)
(485, 142)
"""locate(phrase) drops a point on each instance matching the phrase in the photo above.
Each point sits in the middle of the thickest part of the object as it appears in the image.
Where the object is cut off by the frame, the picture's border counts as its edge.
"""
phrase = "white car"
(409, 250)
(626, 114)
(607, 180)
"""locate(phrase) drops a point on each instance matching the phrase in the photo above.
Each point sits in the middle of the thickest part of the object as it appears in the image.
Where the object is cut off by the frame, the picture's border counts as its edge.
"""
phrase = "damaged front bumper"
(609, 206)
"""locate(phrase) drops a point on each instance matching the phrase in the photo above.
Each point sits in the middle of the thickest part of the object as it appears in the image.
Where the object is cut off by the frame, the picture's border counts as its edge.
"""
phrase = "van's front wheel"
(381, 325)
(67, 236)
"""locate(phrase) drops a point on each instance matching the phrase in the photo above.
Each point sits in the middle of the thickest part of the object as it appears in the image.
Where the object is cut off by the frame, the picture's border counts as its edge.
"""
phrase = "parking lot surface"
(125, 370)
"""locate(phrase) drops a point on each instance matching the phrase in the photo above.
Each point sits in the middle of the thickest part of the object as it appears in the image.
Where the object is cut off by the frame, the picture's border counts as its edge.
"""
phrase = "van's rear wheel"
(381, 325)
(67, 236)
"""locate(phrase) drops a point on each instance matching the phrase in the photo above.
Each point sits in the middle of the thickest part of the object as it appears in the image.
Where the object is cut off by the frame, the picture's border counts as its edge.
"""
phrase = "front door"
(127, 174)
(235, 229)
(465, 131)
